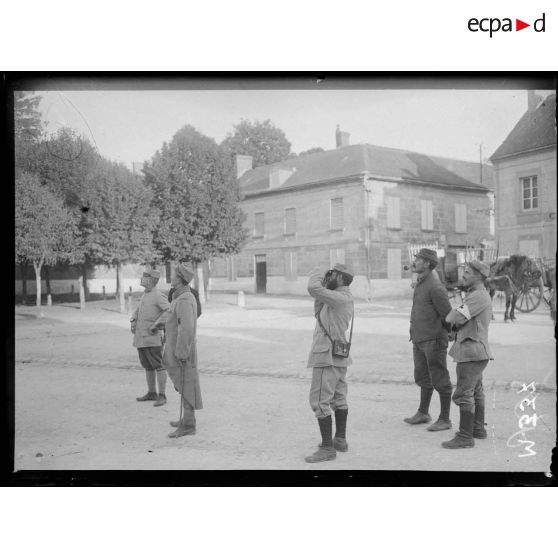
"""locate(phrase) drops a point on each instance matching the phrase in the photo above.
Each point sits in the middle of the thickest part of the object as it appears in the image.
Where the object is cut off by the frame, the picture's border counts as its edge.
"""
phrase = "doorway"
(261, 273)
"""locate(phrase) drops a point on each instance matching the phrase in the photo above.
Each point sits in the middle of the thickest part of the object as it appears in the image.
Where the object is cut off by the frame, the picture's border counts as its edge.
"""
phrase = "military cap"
(428, 254)
(343, 268)
(185, 272)
(480, 267)
(155, 273)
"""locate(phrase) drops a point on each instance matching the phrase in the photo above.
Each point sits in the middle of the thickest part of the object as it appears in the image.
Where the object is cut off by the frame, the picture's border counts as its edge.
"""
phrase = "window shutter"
(290, 221)
(259, 224)
(426, 215)
(460, 218)
(336, 213)
(393, 213)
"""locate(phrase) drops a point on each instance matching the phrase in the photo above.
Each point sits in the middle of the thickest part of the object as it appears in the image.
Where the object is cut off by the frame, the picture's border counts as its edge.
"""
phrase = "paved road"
(77, 376)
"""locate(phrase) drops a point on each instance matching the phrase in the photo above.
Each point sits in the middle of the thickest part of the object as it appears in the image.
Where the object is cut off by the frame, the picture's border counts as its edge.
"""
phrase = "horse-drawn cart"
(525, 281)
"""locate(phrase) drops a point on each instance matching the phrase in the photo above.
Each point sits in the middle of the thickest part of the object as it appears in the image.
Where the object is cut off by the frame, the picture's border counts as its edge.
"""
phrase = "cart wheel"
(530, 297)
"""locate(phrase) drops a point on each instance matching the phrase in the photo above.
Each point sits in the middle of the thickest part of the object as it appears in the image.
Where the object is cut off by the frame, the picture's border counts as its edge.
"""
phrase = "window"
(290, 221)
(460, 218)
(393, 213)
(291, 266)
(336, 255)
(336, 214)
(394, 263)
(426, 217)
(259, 225)
(530, 191)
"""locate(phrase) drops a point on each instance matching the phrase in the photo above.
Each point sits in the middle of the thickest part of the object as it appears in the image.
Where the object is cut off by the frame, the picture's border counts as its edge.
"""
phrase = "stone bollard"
(49, 300)
(241, 301)
(104, 293)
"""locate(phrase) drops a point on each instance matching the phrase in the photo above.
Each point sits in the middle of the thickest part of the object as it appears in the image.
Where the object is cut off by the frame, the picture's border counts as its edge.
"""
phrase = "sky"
(130, 126)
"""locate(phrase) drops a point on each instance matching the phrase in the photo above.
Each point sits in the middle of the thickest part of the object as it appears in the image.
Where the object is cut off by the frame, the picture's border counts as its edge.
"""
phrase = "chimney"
(341, 138)
(243, 164)
(533, 100)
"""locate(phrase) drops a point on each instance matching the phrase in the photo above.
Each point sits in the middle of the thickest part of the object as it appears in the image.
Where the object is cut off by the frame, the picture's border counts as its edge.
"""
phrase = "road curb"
(277, 373)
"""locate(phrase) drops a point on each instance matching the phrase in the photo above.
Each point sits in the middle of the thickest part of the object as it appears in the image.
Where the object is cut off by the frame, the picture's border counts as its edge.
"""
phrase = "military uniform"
(429, 334)
(471, 352)
(328, 390)
(180, 355)
(146, 323)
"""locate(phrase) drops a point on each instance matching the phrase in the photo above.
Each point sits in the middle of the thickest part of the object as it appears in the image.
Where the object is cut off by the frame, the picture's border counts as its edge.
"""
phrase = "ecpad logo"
(493, 25)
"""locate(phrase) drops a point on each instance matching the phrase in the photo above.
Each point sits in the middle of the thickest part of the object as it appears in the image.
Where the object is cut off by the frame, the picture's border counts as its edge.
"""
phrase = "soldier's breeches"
(328, 390)
(469, 390)
(430, 361)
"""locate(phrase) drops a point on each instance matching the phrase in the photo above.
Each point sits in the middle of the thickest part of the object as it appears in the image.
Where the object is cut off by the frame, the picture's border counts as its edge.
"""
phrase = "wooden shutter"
(336, 213)
(426, 215)
(290, 221)
(393, 213)
(259, 224)
(460, 218)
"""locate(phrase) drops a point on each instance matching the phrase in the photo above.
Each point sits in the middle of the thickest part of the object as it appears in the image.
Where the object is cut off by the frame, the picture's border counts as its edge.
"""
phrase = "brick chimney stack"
(341, 138)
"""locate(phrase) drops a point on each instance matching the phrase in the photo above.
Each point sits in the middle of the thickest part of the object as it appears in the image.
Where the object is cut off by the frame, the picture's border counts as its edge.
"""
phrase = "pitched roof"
(536, 129)
(354, 160)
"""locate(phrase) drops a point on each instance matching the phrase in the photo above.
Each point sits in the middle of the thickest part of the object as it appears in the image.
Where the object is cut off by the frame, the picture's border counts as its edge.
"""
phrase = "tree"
(195, 191)
(118, 226)
(45, 231)
(265, 142)
(63, 161)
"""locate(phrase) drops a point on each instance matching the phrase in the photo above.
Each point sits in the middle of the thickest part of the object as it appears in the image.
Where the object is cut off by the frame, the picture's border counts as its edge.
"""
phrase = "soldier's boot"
(339, 440)
(464, 437)
(161, 400)
(422, 416)
(186, 427)
(443, 422)
(479, 430)
(149, 396)
(327, 451)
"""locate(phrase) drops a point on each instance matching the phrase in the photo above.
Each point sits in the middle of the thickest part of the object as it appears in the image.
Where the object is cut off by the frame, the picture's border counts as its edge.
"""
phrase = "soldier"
(334, 309)
(429, 334)
(472, 353)
(180, 355)
(146, 322)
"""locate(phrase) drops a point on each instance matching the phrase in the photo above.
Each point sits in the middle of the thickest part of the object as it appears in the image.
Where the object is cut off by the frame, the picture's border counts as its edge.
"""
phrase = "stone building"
(362, 205)
(525, 183)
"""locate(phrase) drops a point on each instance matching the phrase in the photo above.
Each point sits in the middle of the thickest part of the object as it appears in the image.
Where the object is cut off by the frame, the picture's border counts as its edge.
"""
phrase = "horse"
(510, 276)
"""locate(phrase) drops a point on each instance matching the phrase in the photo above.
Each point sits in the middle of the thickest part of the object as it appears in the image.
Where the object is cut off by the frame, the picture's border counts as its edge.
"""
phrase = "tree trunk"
(37, 266)
(81, 293)
(120, 288)
(84, 281)
(206, 278)
(23, 272)
(48, 289)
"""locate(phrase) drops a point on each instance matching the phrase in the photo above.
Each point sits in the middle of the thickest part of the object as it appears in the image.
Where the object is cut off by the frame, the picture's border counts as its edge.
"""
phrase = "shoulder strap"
(325, 330)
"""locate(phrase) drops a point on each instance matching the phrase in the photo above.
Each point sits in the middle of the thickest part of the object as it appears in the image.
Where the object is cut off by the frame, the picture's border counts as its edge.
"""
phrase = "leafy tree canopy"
(194, 189)
(264, 141)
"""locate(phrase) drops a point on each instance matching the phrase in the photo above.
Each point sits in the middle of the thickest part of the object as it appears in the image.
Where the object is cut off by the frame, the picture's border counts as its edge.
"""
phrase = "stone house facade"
(361, 205)
(525, 183)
